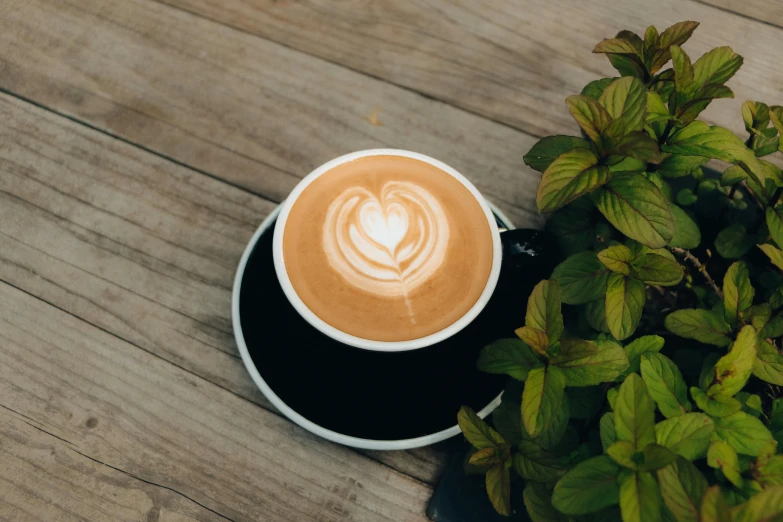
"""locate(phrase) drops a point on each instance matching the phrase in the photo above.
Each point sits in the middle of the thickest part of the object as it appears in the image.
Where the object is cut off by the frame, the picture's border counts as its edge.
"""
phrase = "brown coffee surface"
(388, 248)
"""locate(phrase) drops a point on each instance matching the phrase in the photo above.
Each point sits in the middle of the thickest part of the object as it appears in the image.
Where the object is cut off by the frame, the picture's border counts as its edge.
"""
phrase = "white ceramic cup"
(369, 344)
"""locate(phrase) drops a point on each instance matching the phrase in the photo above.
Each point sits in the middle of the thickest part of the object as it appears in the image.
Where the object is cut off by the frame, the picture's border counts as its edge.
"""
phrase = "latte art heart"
(386, 244)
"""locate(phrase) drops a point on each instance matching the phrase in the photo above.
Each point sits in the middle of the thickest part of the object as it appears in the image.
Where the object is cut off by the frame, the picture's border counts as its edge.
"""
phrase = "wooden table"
(143, 142)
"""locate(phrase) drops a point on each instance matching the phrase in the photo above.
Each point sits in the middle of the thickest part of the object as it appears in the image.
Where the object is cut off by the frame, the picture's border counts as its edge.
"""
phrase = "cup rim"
(293, 415)
(370, 344)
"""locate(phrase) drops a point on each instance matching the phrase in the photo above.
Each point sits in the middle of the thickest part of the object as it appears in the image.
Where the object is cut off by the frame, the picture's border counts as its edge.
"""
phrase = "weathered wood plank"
(765, 11)
(133, 244)
(244, 109)
(514, 62)
(146, 418)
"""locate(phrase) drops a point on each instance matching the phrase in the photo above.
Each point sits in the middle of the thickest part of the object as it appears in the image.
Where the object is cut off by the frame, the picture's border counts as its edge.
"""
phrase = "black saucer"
(362, 393)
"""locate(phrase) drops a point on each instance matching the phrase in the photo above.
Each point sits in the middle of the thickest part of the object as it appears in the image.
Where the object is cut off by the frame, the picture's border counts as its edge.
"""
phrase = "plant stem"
(753, 195)
(699, 266)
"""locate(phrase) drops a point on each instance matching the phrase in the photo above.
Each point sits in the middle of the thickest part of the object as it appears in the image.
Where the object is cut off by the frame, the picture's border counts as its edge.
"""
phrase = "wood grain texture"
(133, 244)
(243, 109)
(129, 436)
(766, 11)
(512, 61)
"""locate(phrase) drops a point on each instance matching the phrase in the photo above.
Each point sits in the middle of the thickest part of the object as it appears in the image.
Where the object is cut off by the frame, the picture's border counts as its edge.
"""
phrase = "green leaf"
(638, 145)
(766, 506)
(733, 369)
(498, 483)
(624, 303)
(590, 115)
(655, 457)
(707, 374)
(770, 473)
(543, 310)
(622, 452)
(634, 413)
(637, 208)
(538, 502)
(775, 224)
(665, 384)
(542, 395)
(616, 258)
(484, 458)
(768, 365)
(508, 356)
(606, 430)
(595, 88)
(714, 507)
(688, 435)
(743, 432)
(755, 115)
(686, 231)
(677, 34)
(534, 338)
(657, 270)
(548, 149)
(716, 405)
(571, 175)
(645, 344)
(721, 455)
(715, 66)
(683, 68)
(732, 175)
(588, 487)
(682, 488)
(657, 113)
(625, 100)
(587, 363)
(733, 241)
(627, 65)
(775, 255)
(616, 46)
(596, 316)
(758, 315)
(535, 463)
(572, 227)
(507, 419)
(478, 432)
(640, 496)
(581, 278)
(678, 165)
(686, 197)
(698, 324)
(553, 434)
(737, 292)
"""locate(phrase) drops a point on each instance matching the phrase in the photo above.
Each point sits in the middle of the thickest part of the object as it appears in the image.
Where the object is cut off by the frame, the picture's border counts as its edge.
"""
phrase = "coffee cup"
(388, 250)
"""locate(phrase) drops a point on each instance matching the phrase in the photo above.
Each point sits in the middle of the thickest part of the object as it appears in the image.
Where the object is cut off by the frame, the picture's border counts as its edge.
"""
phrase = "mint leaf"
(538, 502)
(737, 292)
(733, 241)
(542, 395)
(678, 165)
(625, 100)
(508, 356)
(595, 314)
(487, 457)
(715, 67)
(770, 472)
(624, 303)
(616, 258)
(645, 344)
(587, 363)
(534, 338)
(717, 405)
(665, 384)
(774, 254)
(688, 435)
(683, 69)
(572, 227)
(553, 434)
(606, 430)
(543, 310)
(657, 114)
(698, 324)
(721, 455)
(498, 483)
(548, 149)
(655, 269)
(595, 88)
(655, 457)
(637, 208)
(640, 496)
(571, 175)
(590, 115)
(588, 487)
(714, 507)
(743, 432)
(768, 365)
(507, 419)
(478, 432)
(677, 34)
(616, 46)
(622, 452)
(535, 463)
(775, 224)
(732, 175)
(758, 315)
(733, 369)
(755, 115)
(686, 231)
(634, 413)
(581, 278)
(766, 506)
(682, 488)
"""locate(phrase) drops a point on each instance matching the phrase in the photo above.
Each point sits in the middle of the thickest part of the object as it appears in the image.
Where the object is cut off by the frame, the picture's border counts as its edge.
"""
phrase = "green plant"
(643, 389)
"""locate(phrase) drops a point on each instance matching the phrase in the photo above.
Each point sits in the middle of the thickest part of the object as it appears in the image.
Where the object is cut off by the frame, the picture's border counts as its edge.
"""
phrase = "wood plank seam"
(741, 15)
